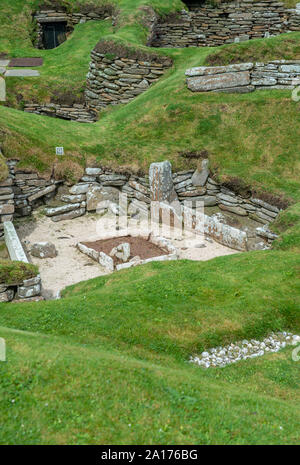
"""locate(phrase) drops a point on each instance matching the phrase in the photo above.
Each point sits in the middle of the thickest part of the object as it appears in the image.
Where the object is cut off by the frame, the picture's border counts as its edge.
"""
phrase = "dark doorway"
(193, 4)
(54, 34)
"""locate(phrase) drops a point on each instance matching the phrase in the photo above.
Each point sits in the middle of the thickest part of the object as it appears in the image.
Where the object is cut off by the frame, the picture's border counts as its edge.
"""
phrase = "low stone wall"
(29, 289)
(76, 112)
(107, 262)
(47, 15)
(245, 77)
(7, 206)
(103, 186)
(25, 291)
(117, 79)
(21, 192)
(225, 23)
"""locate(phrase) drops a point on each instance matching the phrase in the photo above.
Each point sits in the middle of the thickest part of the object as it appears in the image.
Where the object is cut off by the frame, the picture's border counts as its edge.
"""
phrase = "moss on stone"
(13, 273)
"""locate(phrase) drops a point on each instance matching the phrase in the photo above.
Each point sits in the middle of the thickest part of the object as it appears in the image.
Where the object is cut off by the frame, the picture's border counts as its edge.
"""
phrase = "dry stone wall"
(76, 112)
(57, 15)
(21, 192)
(115, 80)
(245, 77)
(27, 290)
(26, 191)
(228, 22)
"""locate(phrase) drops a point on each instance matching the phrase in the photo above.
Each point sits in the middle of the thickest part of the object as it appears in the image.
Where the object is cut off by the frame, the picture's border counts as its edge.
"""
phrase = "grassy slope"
(57, 392)
(131, 333)
(240, 133)
(200, 304)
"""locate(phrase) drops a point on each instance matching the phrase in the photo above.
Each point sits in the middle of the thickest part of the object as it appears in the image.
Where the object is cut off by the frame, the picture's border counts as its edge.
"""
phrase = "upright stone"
(161, 182)
(13, 243)
(200, 177)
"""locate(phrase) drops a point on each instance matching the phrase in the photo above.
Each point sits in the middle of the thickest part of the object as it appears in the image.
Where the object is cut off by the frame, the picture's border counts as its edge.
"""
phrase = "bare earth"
(71, 266)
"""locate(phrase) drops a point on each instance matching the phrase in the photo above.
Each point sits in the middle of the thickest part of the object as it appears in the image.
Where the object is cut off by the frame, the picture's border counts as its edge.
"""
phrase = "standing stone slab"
(200, 177)
(161, 182)
(218, 81)
(13, 243)
(106, 261)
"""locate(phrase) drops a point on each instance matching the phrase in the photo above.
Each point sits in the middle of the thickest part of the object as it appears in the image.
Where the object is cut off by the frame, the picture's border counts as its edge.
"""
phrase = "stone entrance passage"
(54, 34)
(193, 4)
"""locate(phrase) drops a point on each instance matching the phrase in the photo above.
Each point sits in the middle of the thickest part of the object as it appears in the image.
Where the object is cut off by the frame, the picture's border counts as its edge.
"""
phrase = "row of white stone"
(243, 350)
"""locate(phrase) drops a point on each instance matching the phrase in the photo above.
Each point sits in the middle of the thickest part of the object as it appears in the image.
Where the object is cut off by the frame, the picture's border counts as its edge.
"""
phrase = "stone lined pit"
(139, 247)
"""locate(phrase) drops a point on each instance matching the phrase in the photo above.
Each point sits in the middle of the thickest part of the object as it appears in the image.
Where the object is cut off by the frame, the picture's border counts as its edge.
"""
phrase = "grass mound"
(56, 392)
(283, 47)
(12, 273)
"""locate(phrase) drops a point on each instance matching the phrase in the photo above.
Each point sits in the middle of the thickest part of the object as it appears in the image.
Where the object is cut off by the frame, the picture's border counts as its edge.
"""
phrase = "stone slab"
(218, 81)
(22, 73)
(4, 63)
(161, 182)
(13, 243)
(25, 62)
(42, 192)
(208, 70)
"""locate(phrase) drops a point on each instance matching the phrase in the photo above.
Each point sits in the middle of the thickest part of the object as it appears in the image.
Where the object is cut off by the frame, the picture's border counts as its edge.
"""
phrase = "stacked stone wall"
(76, 112)
(245, 77)
(71, 19)
(226, 23)
(115, 80)
(103, 186)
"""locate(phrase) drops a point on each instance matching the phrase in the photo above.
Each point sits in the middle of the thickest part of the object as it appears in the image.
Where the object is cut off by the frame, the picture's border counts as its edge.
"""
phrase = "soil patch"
(138, 247)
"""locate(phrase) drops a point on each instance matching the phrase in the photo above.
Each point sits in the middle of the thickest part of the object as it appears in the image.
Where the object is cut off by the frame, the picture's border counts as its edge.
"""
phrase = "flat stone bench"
(13, 244)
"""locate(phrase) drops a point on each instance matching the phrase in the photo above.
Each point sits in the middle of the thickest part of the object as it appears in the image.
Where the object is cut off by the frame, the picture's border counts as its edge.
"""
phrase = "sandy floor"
(71, 266)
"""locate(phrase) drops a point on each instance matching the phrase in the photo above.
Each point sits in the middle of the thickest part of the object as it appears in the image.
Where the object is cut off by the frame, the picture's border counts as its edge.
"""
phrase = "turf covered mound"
(108, 363)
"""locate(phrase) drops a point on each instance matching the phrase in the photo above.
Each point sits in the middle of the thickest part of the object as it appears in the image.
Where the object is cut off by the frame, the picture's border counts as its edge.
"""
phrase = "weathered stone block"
(43, 250)
(161, 182)
(218, 81)
(200, 176)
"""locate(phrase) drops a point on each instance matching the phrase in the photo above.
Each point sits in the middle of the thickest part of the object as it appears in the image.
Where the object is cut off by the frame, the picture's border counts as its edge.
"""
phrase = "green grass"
(12, 273)
(108, 363)
(282, 47)
(192, 300)
(57, 392)
(245, 136)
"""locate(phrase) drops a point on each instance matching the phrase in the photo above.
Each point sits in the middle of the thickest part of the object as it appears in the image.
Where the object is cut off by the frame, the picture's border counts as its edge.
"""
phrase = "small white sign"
(60, 151)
